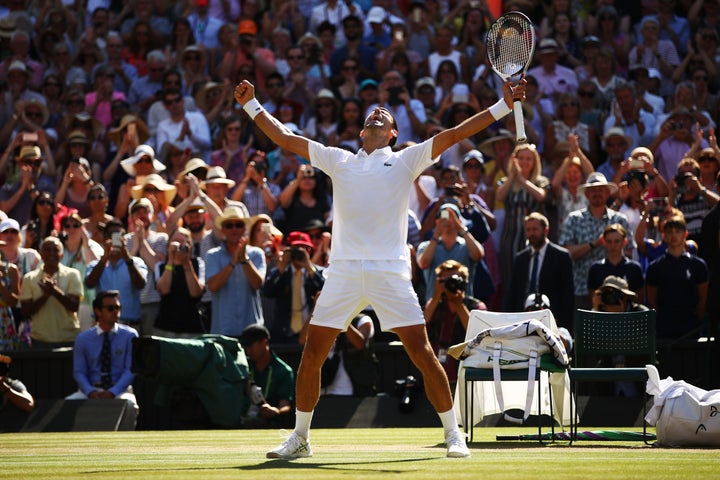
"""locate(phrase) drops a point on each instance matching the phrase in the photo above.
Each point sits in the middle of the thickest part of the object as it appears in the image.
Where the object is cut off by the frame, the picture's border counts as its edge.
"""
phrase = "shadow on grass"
(279, 464)
(525, 444)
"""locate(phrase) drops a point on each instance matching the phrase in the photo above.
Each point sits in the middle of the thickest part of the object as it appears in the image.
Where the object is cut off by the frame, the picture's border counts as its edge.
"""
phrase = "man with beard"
(370, 266)
(582, 232)
(543, 267)
(355, 47)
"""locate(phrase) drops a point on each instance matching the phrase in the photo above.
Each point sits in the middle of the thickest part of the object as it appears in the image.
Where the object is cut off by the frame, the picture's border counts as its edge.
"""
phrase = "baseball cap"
(247, 27)
(368, 82)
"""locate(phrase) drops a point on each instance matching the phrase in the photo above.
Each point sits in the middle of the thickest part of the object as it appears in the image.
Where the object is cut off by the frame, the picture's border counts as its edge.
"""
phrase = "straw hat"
(597, 179)
(216, 175)
(486, 147)
(200, 100)
(115, 134)
(233, 213)
(158, 182)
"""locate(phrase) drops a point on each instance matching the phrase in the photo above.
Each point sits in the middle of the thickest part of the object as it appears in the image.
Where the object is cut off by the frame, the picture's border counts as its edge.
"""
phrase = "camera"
(454, 283)
(246, 40)
(680, 181)
(676, 125)
(611, 297)
(297, 254)
(407, 389)
(452, 191)
(183, 248)
(395, 92)
(63, 236)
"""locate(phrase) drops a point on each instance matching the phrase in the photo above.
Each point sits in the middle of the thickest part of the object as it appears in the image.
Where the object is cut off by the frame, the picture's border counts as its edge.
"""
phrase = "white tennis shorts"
(352, 285)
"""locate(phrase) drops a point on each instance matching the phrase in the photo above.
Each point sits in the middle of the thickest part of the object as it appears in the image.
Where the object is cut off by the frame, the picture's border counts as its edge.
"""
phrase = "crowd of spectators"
(121, 140)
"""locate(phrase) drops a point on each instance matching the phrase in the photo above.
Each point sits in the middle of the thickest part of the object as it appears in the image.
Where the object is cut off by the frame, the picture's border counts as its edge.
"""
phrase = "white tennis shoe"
(456, 447)
(293, 447)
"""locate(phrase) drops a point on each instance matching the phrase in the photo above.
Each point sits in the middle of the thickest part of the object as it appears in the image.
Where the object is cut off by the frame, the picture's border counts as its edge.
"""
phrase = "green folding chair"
(606, 334)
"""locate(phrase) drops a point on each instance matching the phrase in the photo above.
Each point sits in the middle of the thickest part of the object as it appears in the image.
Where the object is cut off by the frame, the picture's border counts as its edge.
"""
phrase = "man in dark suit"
(543, 267)
(293, 283)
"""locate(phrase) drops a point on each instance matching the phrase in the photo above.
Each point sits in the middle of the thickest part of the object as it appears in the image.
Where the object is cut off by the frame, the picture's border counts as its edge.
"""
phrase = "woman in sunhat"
(136, 168)
(161, 195)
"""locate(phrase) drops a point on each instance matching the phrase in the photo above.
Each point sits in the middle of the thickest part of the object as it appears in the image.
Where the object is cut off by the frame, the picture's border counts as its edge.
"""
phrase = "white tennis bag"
(514, 347)
(684, 415)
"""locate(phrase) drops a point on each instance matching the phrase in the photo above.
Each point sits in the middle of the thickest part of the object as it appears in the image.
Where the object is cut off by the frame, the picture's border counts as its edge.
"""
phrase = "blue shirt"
(118, 278)
(236, 304)
(86, 358)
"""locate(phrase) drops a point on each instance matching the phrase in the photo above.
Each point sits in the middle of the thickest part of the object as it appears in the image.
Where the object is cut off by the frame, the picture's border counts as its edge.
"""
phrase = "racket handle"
(519, 122)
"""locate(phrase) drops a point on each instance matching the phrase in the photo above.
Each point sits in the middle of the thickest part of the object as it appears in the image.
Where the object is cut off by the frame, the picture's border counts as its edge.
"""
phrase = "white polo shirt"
(370, 198)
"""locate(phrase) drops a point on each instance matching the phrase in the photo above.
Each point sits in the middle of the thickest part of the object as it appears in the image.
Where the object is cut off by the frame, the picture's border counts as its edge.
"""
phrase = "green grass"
(339, 453)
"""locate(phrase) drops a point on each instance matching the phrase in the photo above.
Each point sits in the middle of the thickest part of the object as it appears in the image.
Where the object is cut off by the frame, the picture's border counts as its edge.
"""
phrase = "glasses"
(32, 163)
(96, 197)
(585, 93)
(707, 158)
(236, 225)
(33, 114)
(274, 85)
(473, 165)
(173, 101)
(71, 225)
(44, 202)
(112, 308)
(145, 160)
(296, 57)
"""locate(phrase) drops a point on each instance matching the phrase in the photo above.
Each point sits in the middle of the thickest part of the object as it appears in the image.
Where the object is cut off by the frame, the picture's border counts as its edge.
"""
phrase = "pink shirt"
(102, 112)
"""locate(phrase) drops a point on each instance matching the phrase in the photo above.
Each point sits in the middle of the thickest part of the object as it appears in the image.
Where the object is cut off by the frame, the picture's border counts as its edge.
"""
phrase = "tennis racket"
(510, 47)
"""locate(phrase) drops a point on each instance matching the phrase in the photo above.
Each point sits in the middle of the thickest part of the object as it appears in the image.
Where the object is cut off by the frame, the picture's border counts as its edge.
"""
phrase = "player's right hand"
(244, 92)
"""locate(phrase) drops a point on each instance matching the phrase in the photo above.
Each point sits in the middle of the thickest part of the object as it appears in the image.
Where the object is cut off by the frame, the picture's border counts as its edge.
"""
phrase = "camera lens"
(610, 296)
(297, 253)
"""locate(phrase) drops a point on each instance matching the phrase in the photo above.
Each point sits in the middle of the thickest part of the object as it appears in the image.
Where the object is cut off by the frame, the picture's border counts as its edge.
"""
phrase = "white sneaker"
(456, 447)
(293, 447)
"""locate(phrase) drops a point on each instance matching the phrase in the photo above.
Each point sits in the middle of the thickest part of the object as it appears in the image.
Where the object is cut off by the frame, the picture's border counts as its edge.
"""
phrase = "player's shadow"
(340, 466)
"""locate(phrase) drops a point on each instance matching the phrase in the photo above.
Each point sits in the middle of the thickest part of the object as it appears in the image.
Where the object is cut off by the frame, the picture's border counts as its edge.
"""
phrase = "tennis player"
(369, 261)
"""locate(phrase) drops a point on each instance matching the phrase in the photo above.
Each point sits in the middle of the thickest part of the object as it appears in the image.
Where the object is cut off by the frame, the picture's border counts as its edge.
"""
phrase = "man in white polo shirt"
(370, 266)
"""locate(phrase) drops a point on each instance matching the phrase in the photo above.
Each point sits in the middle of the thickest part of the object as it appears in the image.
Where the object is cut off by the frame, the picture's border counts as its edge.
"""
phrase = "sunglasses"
(585, 93)
(32, 163)
(707, 158)
(615, 144)
(71, 225)
(316, 236)
(231, 225)
(192, 57)
(52, 84)
(145, 160)
(112, 308)
(45, 202)
(274, 85)
(33, 114)
(96, 197)
(296, 57)
(324, 105)
(151, 190)
(173, 101)
(75, 102)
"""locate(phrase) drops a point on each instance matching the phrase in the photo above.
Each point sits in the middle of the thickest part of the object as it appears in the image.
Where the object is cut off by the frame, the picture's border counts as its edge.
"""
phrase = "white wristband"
(499, 110)
(252, 108)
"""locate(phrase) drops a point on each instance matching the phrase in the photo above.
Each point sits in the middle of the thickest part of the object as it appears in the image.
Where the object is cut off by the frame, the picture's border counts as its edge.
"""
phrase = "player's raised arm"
(481, 120)
(271, 126)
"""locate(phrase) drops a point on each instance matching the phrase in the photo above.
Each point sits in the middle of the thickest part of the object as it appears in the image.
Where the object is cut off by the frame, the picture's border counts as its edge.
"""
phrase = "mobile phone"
(658, 206)
(132, 129)
(30, 137)
(445, 214)
(636, 164)
(417, 15)
(116, 239)
(398, 35)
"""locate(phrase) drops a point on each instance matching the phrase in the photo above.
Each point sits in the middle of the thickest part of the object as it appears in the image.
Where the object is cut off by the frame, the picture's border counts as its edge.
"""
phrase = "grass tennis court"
(338, 453)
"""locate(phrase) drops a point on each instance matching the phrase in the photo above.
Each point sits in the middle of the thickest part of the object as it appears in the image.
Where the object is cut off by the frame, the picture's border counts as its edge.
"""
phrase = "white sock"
(448, 420)
(302, 423)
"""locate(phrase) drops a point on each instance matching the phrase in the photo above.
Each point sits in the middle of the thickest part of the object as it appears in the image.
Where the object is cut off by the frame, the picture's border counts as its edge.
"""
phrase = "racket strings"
(510, 46)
